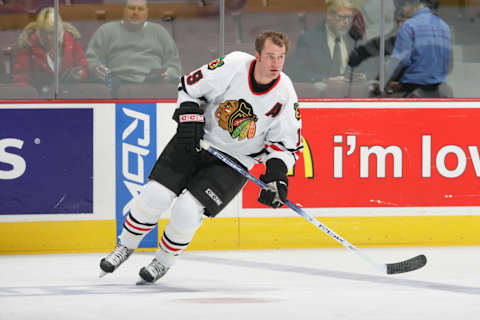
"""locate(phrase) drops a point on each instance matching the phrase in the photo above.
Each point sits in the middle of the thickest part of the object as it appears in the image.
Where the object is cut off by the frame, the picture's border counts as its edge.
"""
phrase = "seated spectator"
(34, 63)
(322, 52)
(420, 59)
(133, 50)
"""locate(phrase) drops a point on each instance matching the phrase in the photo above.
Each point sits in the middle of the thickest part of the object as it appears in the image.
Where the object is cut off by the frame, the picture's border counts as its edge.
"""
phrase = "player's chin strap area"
(390, 268)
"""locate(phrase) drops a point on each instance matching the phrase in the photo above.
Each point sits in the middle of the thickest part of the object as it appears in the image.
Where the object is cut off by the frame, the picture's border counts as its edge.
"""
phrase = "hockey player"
(245, 107)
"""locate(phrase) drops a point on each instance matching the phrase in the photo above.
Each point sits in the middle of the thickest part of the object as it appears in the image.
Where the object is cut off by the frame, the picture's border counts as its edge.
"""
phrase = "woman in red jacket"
(34, 63)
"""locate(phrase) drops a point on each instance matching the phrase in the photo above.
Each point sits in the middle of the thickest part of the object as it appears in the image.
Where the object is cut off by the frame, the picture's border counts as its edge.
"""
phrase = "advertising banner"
(46, 161)
(385, 157)
(136, 132)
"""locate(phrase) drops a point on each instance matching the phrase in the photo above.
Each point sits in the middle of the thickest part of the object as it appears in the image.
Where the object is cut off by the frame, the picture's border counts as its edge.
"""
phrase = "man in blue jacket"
(421, 56)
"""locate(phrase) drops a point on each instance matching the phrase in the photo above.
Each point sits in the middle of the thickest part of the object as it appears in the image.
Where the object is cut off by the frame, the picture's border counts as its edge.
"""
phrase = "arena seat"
(148, 91)
(247, 47)
(6, 64)
(81, 91)
(471, 53)
(306, 90)
(340, 89)
(193, 30)
(8, 48)
(73, 2)
(17, 91)
(195, 54)
(447, 90)
(247, 25)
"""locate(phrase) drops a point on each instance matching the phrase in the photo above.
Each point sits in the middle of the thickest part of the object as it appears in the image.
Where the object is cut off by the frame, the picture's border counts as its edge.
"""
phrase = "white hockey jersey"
(250, 126)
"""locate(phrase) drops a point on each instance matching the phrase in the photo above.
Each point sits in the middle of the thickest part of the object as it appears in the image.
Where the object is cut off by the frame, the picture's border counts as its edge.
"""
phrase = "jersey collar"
(251, 79)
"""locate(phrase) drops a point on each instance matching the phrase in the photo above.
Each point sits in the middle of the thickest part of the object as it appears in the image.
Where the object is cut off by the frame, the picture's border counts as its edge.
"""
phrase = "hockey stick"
(389, 268)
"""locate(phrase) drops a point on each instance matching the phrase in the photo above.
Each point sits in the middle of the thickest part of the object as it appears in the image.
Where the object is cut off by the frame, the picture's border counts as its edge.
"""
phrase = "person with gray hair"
(133, 50)
(322, 52)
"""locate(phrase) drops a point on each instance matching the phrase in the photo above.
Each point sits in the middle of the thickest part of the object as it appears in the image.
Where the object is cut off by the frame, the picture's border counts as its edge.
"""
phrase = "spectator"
(133, 50)
(420, 60)
(322, 52)
(34, 63)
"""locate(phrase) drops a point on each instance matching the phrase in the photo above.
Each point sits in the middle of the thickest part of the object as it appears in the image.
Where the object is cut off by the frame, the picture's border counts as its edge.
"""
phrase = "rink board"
(379, 173)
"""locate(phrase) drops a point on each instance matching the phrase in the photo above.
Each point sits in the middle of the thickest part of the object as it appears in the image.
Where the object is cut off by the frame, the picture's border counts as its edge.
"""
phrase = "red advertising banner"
(385, 157)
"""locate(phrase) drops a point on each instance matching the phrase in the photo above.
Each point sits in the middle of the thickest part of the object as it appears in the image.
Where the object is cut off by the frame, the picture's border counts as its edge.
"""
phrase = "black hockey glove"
(357, 56)
(190, 121)
(277, 184)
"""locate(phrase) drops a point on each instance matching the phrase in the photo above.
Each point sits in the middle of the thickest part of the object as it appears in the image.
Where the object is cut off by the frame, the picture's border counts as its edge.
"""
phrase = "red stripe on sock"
(137, 228)
(168, 247)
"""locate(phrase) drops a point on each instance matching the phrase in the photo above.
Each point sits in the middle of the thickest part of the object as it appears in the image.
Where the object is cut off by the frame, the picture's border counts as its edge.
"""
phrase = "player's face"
(136, 12)
(340, 21)
(269, 62)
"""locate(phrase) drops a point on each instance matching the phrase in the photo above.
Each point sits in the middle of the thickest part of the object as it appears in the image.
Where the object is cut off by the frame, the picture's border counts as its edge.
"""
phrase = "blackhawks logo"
(236, 116)
(297, 111)
(215, 64)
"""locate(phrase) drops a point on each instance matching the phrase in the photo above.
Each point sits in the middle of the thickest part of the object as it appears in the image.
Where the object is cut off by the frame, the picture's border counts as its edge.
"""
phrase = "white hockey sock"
(145, 212)
(169, 250)
(187, 217)
(134, 231)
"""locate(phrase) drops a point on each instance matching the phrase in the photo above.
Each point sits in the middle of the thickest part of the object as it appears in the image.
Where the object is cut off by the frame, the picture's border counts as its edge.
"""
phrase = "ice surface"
(261, 284)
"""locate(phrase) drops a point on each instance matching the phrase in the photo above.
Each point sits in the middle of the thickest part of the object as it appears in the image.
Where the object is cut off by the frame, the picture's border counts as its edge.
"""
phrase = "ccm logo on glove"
(191, 118)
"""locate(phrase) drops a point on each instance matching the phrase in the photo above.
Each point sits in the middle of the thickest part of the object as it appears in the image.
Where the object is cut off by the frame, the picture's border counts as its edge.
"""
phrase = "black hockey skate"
(151, 273)
(114, 259)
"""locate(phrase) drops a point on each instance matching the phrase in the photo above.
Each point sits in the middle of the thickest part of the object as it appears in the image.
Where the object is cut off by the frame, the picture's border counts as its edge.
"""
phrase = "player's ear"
(257, 55)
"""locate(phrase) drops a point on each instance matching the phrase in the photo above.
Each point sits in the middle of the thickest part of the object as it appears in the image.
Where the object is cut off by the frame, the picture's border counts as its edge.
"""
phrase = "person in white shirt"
(244, 106)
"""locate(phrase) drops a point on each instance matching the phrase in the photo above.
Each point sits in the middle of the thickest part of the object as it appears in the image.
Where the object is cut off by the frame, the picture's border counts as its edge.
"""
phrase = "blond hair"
(46, 21)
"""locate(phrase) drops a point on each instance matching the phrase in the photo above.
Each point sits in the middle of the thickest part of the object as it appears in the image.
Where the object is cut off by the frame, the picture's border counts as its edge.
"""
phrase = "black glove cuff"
(276, 170)
(186, 107)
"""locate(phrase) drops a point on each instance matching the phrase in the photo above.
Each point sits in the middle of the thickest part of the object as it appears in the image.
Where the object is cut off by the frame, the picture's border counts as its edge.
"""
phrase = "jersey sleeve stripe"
(184, 87)
(280, 147)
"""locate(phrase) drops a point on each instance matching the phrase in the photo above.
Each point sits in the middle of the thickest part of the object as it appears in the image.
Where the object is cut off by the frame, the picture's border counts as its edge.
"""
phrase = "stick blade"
(407, 265)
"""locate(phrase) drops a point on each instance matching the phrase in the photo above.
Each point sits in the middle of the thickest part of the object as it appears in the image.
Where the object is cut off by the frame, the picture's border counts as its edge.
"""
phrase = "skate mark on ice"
(387, 280)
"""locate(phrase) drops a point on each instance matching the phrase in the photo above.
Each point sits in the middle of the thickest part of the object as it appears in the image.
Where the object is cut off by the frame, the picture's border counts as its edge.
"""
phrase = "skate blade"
(102, 274)
(141, 282)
